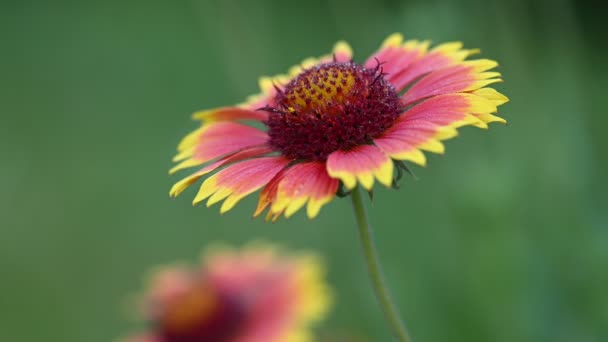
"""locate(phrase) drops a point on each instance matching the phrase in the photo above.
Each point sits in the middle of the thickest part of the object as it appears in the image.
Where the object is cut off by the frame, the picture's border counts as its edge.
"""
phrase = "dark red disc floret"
(330, 107)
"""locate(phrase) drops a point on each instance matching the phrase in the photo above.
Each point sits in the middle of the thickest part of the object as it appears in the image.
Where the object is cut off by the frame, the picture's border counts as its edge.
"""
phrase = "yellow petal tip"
(394, 40)
(343, 47)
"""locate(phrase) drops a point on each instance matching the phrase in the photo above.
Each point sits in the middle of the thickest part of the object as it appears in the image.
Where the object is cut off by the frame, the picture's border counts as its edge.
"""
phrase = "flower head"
(252, 295)
(332, 122)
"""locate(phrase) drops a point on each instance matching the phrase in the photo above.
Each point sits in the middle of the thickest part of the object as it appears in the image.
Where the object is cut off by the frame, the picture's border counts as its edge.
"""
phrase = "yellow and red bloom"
(256, 294)
(331, 122)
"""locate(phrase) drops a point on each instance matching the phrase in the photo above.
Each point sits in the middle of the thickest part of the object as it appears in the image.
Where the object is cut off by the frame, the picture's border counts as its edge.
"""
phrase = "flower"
(330, 121)
(256, 294)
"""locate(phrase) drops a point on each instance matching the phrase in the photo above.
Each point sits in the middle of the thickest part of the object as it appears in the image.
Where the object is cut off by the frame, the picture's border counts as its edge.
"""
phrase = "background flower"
(256, 294)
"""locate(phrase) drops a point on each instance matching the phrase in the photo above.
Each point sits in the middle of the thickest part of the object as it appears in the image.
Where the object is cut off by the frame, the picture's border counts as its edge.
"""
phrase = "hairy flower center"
(330, 107)
(201, 314)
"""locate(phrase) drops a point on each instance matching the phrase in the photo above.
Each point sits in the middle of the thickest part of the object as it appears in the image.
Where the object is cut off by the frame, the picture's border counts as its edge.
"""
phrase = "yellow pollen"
(320, 87)
(190, 309)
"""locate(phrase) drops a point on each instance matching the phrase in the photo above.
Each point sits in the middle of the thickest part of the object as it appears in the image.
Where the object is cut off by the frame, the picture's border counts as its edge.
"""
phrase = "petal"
(401, 148)
(342, 52)
(362, 164)
(216, 140)
(230, 114)
(268, 195)
(492, 95)
(395, 56)
(250, 152)
(423, 126)
(187, 144)
(239, 180)
(439, 57)
(304, 183)
(453, 110)
(465, 76)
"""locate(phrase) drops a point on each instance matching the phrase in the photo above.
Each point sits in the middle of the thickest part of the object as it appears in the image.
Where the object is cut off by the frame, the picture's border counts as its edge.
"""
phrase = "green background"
(504, 238)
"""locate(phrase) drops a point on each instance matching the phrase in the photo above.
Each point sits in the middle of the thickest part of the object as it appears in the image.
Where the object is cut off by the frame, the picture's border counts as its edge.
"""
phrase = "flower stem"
(375, 272)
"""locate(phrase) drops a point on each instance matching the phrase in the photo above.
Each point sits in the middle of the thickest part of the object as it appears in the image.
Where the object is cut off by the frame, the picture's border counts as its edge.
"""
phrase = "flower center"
(200, 314)
(330, 107)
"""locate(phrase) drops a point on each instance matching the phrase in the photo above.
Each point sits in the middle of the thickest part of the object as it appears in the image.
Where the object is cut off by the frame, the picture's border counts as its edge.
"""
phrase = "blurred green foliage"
(504, 238)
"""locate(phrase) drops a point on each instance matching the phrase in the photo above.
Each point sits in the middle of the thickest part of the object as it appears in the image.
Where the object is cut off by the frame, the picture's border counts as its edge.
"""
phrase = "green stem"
(373, 265)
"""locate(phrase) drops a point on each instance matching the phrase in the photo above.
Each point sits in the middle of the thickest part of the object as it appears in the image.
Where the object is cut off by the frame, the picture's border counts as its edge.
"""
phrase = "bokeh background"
(504, 238)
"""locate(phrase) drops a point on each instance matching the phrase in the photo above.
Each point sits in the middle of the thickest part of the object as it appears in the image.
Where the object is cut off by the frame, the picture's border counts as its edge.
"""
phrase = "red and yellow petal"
(395, 55)
(299, 185)
(361, 164)
(454, 110)
(476, 109)
(255, 151)
(342, 52)
(462, 77)
(423, 126)
(230, 114)
(402, 147)
(239, 180)
(406, 61)
(215, 140)
(441, 56)
(268, 195)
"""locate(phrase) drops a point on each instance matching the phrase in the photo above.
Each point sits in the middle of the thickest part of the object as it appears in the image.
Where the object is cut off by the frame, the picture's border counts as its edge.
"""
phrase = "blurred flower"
(256, 294)
(331, 121)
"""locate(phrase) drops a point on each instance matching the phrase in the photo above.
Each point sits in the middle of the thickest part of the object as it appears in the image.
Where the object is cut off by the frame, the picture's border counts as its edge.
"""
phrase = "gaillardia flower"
(331, 122)
(257, 294)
